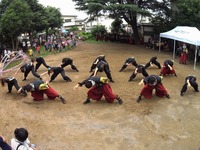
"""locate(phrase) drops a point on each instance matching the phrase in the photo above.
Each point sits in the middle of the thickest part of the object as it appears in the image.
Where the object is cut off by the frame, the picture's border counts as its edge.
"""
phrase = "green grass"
(94, 41)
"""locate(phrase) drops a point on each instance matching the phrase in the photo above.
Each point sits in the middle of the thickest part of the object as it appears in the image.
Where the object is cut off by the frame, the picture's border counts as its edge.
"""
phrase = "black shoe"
(182, 94)
(139, 99)
(175, 75)
(87, 101)
(24, 79)
(112, 81)
(77, 70)
(196, 90)
(9, 92)
(69, 80)
(129, 80)
(168, 97)
(119, 100)
(62, 100)
(120, 70)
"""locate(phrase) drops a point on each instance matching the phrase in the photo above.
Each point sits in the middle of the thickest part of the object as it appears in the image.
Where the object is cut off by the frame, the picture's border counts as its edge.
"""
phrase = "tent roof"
(185, 34)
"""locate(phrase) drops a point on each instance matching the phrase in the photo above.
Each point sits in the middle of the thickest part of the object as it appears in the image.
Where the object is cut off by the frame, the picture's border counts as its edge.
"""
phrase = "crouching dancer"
(152, 82)
(189, 81)
(38, 88)
(12, 81)
(98, 87)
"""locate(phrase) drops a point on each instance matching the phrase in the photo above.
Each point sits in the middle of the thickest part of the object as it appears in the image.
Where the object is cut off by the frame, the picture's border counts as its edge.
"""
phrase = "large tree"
(129, 10)
(186, 13)
(54, 18)
(15, 20)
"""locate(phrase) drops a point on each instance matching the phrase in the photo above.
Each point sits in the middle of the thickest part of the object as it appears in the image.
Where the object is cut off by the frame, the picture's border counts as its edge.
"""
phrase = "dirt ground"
(156, 124)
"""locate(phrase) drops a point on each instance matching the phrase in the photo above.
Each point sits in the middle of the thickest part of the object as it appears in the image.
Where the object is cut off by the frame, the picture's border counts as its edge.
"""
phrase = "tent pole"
(195, 58)
(159, 43)
(174, 49)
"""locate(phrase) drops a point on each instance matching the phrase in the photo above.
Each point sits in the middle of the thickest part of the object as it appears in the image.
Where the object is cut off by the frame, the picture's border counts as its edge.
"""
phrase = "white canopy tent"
(185, 34)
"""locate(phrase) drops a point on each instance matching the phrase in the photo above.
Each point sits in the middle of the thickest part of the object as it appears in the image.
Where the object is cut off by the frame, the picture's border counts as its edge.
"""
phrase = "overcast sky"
(67, 7)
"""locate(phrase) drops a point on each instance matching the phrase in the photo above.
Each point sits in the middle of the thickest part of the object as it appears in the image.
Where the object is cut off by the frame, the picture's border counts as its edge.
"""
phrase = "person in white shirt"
(21, 141)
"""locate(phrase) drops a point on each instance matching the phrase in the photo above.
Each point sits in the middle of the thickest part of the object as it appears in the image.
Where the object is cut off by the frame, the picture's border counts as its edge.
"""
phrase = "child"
(21, 141)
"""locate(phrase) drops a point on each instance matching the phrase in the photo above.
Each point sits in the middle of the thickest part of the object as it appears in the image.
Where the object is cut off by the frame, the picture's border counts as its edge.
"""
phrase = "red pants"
(183, 58)
(165, 71)
(148, 90)
(96, 93)
(39, 95)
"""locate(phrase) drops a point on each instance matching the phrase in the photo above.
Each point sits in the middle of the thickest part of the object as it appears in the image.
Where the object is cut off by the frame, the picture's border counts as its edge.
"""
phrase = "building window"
(68, 20)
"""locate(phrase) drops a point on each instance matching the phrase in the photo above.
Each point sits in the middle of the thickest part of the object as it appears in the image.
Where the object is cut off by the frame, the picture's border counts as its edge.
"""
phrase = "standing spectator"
(129, 61)
(167, 68)
(21, 141)
(189, 81)
(138, 69)
(98, 87)
(3, 144)
(38, 49)
(183, 57)
(153, 61)
(152, 82)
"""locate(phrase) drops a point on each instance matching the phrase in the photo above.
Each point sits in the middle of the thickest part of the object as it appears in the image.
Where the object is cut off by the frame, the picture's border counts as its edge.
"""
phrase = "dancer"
(167, 68)
(56, 71)
(152, 82)
(27, 68)
(11, 81)
(40, 60)
(21, 141)
(98, 87)
(38, 88)
(97, 60)
(3, 144)
(138, 69)
(183, 56)
(129, 61)
(68, 61)
(153, 61)
(190, 80)
(103, 66)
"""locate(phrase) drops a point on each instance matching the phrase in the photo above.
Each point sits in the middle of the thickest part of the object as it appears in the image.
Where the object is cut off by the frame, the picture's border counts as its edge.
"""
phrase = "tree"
(187, 13)
(15, 20)
(126, 9)
(54, 18)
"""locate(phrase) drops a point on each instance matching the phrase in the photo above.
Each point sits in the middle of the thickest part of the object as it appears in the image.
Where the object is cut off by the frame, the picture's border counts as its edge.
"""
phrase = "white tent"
(185, 34)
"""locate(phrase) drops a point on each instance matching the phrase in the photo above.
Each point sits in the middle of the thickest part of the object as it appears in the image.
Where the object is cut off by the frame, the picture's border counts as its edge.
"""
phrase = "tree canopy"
(26, 16)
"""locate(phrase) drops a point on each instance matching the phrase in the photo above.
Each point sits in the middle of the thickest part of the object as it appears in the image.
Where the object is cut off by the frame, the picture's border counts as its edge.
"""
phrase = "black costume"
(27, 68)
(56, 71)
(11, 81)
(97, 60)
(103, 66)
(139, 69)
(68, 61)
(128, 61)
(154, 61)
(192, 80)
(40, 60)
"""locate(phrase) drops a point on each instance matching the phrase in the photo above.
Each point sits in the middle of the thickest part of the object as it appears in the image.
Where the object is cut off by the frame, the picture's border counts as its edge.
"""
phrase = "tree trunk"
(13, 44)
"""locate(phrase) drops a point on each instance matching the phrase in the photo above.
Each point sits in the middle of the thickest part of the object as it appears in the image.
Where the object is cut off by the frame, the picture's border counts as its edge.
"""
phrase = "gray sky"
(67, 7)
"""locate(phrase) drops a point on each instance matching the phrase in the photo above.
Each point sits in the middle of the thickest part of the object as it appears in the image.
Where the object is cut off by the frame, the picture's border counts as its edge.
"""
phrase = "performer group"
(98, 85)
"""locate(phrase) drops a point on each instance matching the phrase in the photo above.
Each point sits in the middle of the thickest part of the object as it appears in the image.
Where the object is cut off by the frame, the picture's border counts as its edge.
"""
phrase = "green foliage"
(85, 35)
(98, 30)
(187, 13)
(74, 29)
(116, 25)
